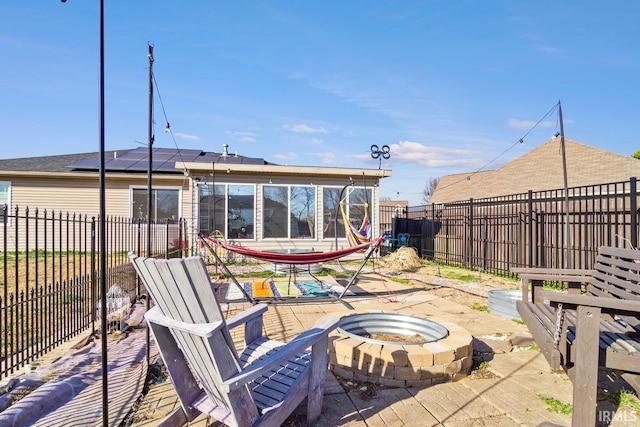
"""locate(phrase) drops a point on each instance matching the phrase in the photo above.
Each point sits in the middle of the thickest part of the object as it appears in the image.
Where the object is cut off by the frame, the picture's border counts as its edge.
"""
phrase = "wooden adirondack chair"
(260, 384)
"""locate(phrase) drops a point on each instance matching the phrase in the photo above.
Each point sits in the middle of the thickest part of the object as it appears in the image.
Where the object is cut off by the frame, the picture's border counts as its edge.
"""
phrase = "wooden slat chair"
(259, 385)
(594, 324)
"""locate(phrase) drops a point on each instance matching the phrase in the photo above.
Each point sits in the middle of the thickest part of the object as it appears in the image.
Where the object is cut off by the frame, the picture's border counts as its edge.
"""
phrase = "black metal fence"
(49, 259)
(546, 228)
(50, 277)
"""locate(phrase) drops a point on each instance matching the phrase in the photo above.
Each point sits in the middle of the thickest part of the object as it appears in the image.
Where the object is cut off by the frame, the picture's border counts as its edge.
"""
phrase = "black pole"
(150, 155)
(150, 185)
(103, 233)
(567, 229)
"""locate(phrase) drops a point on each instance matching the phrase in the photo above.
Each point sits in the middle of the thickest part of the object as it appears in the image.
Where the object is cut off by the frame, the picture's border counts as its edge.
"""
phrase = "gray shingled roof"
(539, 170)
(57, 163)
(132, 160)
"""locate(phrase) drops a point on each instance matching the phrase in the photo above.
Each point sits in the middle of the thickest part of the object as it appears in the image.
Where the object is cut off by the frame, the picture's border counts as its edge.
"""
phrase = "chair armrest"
(247, 315)
(551, 271)
(608, 305)
(320, 331)
(535, 276)
(538, 278)
(204, 330)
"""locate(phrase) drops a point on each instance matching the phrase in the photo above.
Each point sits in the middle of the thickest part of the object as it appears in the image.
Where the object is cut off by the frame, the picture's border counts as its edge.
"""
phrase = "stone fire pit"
(399, 350)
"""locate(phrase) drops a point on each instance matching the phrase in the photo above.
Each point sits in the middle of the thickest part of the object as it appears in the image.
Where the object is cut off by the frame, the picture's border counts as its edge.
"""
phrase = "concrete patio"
(509, 392)
(514, 388)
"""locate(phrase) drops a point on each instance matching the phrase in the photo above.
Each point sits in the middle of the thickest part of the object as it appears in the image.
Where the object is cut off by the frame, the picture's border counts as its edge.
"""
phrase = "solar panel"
(164, 160)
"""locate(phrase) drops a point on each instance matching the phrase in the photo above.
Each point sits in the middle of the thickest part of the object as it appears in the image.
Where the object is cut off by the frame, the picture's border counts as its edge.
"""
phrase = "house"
(390, 209)
(538, 170)
(269, 206)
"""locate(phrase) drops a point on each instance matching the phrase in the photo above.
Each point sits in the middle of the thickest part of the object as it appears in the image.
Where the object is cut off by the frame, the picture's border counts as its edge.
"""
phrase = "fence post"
(633, 196)
(94, 304)
(530, 227)
(180, 238)
(470, 243)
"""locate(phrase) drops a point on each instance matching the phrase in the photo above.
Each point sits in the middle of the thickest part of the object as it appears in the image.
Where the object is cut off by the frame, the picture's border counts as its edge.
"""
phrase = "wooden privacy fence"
(49, 276)
(529, 229)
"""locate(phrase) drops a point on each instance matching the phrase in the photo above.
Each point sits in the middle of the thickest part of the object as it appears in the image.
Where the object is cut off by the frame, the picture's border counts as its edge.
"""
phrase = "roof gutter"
(248, 169)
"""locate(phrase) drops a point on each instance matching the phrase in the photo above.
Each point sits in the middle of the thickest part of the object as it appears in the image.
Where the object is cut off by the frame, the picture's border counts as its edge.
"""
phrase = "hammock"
(294, 258)
(357, 235)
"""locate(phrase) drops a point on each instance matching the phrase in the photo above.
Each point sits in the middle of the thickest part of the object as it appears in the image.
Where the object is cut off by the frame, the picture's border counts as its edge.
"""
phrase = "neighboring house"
(390, 209)
(538, 170)
(270, 206)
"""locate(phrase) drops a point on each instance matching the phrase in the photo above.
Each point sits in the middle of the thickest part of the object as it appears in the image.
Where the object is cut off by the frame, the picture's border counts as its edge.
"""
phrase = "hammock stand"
(206, 244)
(293, 258)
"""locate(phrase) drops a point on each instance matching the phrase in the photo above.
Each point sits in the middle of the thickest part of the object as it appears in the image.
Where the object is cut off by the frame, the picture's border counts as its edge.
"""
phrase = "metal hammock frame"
(292, 258)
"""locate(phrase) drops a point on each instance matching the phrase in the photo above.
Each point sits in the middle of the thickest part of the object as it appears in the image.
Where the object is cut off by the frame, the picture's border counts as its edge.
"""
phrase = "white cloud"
(434, 157)
(316, 141)
(242, 136)
(302, 128)
(325, 157)
(180, 135)
(286, 156)
(550, 50)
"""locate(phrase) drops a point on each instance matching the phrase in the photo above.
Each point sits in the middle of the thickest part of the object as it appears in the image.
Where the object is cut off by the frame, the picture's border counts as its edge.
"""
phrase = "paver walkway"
(511, 396)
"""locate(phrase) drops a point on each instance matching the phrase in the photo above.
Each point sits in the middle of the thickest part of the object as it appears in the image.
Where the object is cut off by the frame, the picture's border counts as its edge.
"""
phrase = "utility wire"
(164, 112)
(519, 141)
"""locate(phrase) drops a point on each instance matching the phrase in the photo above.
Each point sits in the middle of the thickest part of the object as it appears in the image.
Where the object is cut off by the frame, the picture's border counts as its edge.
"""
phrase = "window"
(355, 203)
(331, 214)
(229, 209)
(5, 199)
(289, 212)
(275, 207)
(241, 211)
(165, 204)
(303, 212)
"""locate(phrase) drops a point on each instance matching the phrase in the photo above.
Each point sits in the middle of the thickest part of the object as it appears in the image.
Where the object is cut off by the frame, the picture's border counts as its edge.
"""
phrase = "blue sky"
(450, 86)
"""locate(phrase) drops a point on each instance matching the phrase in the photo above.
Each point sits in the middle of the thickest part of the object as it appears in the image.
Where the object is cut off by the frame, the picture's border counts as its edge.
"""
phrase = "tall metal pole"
(103, 233)
(150, 185)
(567, 228)
(150, 156)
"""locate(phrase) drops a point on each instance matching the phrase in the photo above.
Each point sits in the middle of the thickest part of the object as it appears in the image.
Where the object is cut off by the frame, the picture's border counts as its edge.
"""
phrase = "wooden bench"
(594, 324)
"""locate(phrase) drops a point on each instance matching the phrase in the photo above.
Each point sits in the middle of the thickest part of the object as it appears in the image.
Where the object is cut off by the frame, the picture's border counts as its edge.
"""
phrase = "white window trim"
(289, 186)
(155, 187)
(348, 191)
(8, 203)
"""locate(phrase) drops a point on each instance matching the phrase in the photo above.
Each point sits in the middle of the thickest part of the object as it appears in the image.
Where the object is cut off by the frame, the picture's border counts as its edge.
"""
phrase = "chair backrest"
(403, 239)
(616, 274)
(182, 290)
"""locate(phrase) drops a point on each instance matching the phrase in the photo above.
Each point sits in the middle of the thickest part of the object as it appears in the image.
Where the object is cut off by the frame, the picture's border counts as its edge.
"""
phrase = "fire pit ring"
(359, 326)
(420, 352)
